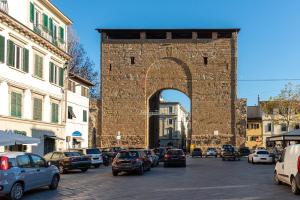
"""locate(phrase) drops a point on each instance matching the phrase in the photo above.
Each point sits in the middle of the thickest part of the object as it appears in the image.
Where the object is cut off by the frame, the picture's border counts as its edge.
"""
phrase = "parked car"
(225, 147)
(197, 152)
(68, 160)
(211, 152)
(152, 157)
(131, 161)
(95, 154)
(160, 152)
(287, 169)
(175, 157)
(260, 156)
(230, 153)
(20, 172)
(244, 151)
(111, 152)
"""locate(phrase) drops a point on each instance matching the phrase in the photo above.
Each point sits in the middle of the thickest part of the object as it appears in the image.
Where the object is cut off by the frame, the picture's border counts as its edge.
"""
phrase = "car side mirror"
(48, 164)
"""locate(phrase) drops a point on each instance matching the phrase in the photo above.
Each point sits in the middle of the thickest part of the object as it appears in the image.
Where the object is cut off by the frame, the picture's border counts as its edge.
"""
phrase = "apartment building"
(78, 102)
(33, 57)
(173, 124)
(254, 132)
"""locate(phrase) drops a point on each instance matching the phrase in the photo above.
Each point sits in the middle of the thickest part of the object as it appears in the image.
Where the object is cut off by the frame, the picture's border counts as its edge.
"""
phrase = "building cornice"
(28, 33)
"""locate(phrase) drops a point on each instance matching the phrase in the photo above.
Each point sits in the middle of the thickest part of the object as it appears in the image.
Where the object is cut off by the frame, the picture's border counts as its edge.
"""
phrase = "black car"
(175, 157)
(197, 152)
(68, 160)
(244, 151)
(131, 161)
(230, 153)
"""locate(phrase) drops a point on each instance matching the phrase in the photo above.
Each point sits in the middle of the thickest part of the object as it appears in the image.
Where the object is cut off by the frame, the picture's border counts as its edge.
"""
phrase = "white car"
(260, 156)
(96, 156)
(211, 152)
(287, 169)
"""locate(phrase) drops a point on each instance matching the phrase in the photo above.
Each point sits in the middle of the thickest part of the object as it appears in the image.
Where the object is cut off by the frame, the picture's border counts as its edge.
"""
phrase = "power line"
(268, 80)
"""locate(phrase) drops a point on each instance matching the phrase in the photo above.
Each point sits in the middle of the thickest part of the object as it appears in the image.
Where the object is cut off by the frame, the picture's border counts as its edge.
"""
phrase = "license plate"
(263, 159)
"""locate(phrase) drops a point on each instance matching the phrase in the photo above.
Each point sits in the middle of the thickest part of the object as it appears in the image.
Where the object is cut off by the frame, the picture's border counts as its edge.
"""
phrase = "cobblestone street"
(208, 178)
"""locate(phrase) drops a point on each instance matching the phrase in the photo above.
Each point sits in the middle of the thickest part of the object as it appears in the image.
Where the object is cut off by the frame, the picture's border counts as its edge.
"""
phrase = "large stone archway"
(134, 68)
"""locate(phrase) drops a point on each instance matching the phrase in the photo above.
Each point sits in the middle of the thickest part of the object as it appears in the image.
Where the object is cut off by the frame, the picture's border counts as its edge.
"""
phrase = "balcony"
(40, 30)
(4, 6)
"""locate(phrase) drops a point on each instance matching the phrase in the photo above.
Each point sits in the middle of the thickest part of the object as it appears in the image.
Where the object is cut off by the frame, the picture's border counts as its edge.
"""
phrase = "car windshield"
(175, 152)
(211, 149)
(262, 152)
(124, 154)
(93, 151)
(196, 149)
(70, 154)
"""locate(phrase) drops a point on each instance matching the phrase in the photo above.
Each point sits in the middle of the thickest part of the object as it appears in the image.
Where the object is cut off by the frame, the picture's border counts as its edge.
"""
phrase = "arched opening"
(169, 119)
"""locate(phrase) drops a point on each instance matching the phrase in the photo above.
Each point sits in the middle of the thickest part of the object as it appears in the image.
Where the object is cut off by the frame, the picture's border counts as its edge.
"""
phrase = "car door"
(55, 158)
(27, 171)
(43, 173)
(280, 167)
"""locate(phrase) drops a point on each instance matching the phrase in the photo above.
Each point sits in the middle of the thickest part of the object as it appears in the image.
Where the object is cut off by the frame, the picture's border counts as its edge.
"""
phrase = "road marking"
(202, 188)
(245, 198)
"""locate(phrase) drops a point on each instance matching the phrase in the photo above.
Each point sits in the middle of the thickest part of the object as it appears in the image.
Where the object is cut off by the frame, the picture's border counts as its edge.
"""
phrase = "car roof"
(12, 154)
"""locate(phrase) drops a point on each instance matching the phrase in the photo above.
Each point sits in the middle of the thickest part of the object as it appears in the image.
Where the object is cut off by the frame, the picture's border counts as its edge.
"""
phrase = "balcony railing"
(45, 34)
(4, 6)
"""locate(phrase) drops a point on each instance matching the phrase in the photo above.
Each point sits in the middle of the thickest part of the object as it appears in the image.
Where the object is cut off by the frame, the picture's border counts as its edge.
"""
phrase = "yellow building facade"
(254, 133)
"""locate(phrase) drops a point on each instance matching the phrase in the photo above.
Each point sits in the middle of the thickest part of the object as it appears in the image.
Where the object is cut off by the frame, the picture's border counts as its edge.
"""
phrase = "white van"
(287, 169)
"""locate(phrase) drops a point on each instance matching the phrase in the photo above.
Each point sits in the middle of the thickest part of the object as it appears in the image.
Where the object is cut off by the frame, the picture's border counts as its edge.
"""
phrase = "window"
(84, 116)
(37, 109)
(2, 49)
(283, 127)
(170, 121)
(252, 126)
(269, 127)
(84, 91)
(72, 86)
(38, 66)
(17, 56)
(23, 161)
(61, 35)
(297, 126)
(132, 60)
(16, 104)
(54, 112)
(71, 114)
(253, 138)
(37, 15)
(170, 110)
(38, 161)
(205, 60)
(56, 75)
(56, 156)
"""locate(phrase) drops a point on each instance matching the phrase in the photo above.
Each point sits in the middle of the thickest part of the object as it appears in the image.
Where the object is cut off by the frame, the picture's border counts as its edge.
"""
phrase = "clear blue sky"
(269, 41)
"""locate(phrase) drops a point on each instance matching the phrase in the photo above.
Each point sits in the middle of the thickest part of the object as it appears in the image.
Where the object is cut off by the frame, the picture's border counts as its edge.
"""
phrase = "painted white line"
(201, 188)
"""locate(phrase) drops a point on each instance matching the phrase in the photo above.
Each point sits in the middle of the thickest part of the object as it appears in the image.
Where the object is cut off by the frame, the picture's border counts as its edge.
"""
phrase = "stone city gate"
(138, 64)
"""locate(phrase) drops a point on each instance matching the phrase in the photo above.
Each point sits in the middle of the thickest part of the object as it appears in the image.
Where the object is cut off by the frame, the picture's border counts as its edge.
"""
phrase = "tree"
(285, 108)
(81, 64)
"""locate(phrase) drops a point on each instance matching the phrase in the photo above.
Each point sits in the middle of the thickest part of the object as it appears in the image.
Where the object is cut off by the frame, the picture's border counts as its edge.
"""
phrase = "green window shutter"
(13, 100)
(19, 105)
(51, 72)
(45, 22)
(36, 63)
(2, 48)
(25, 60)
(61, 77)
(51, 26)
(38, 66)
(10, 53)
(31, 12)
(62, 34)
(54, 113)
(37, 109)
(84, 116)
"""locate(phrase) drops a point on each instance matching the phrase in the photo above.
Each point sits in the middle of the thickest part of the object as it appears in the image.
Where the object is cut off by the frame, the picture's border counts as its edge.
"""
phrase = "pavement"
(203, 178)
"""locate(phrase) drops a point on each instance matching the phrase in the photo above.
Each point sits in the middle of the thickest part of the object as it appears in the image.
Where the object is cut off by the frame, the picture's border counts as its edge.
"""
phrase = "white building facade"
(33, 53)
(173, 124)
(78, 103)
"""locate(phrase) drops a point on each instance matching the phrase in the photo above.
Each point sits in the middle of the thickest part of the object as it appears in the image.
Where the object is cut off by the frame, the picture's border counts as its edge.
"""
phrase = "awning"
(289, 136)
(54, 137)
(8, 138)
(78, 138)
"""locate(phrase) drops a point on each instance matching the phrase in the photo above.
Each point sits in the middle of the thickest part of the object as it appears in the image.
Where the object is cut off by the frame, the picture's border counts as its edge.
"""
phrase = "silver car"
(20, 172)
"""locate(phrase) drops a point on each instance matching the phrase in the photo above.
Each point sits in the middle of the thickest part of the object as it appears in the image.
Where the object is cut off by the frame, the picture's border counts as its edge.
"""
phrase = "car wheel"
(54, 182)
(166, 165)
(276, 180)
(294, 186)
(253, 162)
(16, 192)
(115, 173)
(61, 169)
(184, 164)
(97, 166)
(84, 170)
(141, 171)
(223, 159)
